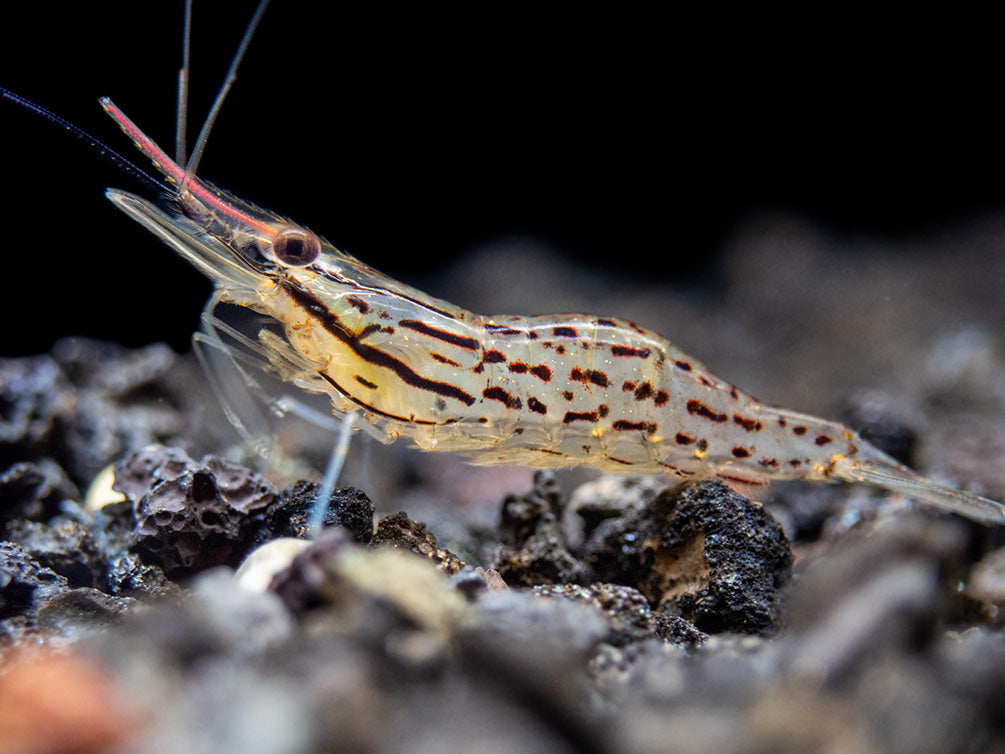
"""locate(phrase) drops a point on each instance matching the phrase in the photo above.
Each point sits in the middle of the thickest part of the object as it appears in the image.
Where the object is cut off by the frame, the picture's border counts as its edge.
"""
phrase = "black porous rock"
(702, 552)
(24, 584)
(34, 490)
(289, 515)
(37, 404)
(533, 551)
(400, 532)
(87, 403)
(191, 515)
(628, 613)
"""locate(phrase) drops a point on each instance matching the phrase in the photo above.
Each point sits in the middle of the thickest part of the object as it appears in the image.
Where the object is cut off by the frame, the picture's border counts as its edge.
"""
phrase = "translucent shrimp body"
(547, 391)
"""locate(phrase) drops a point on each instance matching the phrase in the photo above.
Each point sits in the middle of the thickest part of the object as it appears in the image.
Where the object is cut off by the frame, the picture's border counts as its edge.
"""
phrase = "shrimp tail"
(873, 467)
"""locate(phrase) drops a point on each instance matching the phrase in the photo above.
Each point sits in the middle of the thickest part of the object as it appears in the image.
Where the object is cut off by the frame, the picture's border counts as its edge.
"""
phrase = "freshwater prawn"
(542, 391)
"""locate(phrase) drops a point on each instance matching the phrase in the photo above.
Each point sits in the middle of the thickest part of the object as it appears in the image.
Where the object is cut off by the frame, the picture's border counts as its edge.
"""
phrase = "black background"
(629, 141)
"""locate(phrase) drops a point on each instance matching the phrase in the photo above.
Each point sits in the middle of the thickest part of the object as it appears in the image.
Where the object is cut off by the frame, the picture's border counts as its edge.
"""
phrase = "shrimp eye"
(296, 247)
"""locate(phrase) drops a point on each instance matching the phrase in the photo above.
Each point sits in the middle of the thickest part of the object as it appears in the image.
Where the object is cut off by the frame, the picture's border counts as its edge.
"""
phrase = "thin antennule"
(181, 120)
(200, 144)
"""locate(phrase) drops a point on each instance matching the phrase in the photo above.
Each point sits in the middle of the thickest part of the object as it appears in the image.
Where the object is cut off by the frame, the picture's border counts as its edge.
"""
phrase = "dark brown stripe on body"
(316, 309)
(462, 341)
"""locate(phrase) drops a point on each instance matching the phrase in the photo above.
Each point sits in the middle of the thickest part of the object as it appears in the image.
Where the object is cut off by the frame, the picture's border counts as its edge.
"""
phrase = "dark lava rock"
(289, 516)
(628, 613)
(37, 404)
(400, 532)
(191, 515)
(703, 552)
(24, 584)
(65, 545)
(534, 550)
(34, 490)
(36, 598)
(89, 402)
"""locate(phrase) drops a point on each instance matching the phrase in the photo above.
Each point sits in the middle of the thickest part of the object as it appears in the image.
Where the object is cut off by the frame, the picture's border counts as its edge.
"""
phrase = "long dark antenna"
(181, 121)
(106, 152)
(200, 144)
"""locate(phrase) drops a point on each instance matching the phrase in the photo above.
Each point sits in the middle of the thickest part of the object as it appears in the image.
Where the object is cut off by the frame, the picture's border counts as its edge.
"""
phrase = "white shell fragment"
(262, 564)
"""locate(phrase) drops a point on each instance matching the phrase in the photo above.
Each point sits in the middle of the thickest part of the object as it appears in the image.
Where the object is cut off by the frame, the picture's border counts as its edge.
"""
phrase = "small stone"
(703, 553)
(191, 515)
(400, 532)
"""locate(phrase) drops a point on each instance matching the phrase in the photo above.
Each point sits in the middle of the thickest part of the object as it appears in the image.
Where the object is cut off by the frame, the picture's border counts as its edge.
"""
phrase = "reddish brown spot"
(479, 368)
(628, 387)
(781, 421)
(661, 397)
(567, 394)
(705, 381)
(357, 303)
(385, 315)
(751, 425)
(483, 420)
(683, 439)
(559, 349)
(741, 453)
(518, 367)
(628, 351)
(800, 430)
(619, 460)
(823, 440)
(365, 383)
(444, 360)
(564, 332)
(590, 375)
(542, 372)
(532, 335)
(700, 409)
(769, 463)
(536, 406)
(518, 431)
(702, 445)
(685, 365)
(795, 463)
(494, 357)
(498, 394)
(387, 329)
(549, 450)
(573, 416)
(733, 393)
(606, 323)
(626, 426)
(643, 391)
(635, 327)
(603, 410)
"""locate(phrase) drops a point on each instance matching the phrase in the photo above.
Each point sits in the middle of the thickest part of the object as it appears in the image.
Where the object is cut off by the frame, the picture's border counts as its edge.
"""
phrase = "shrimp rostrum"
(546, 391)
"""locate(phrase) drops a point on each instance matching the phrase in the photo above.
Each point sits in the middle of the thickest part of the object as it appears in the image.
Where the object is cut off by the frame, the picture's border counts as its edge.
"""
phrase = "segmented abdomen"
(544, 391)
